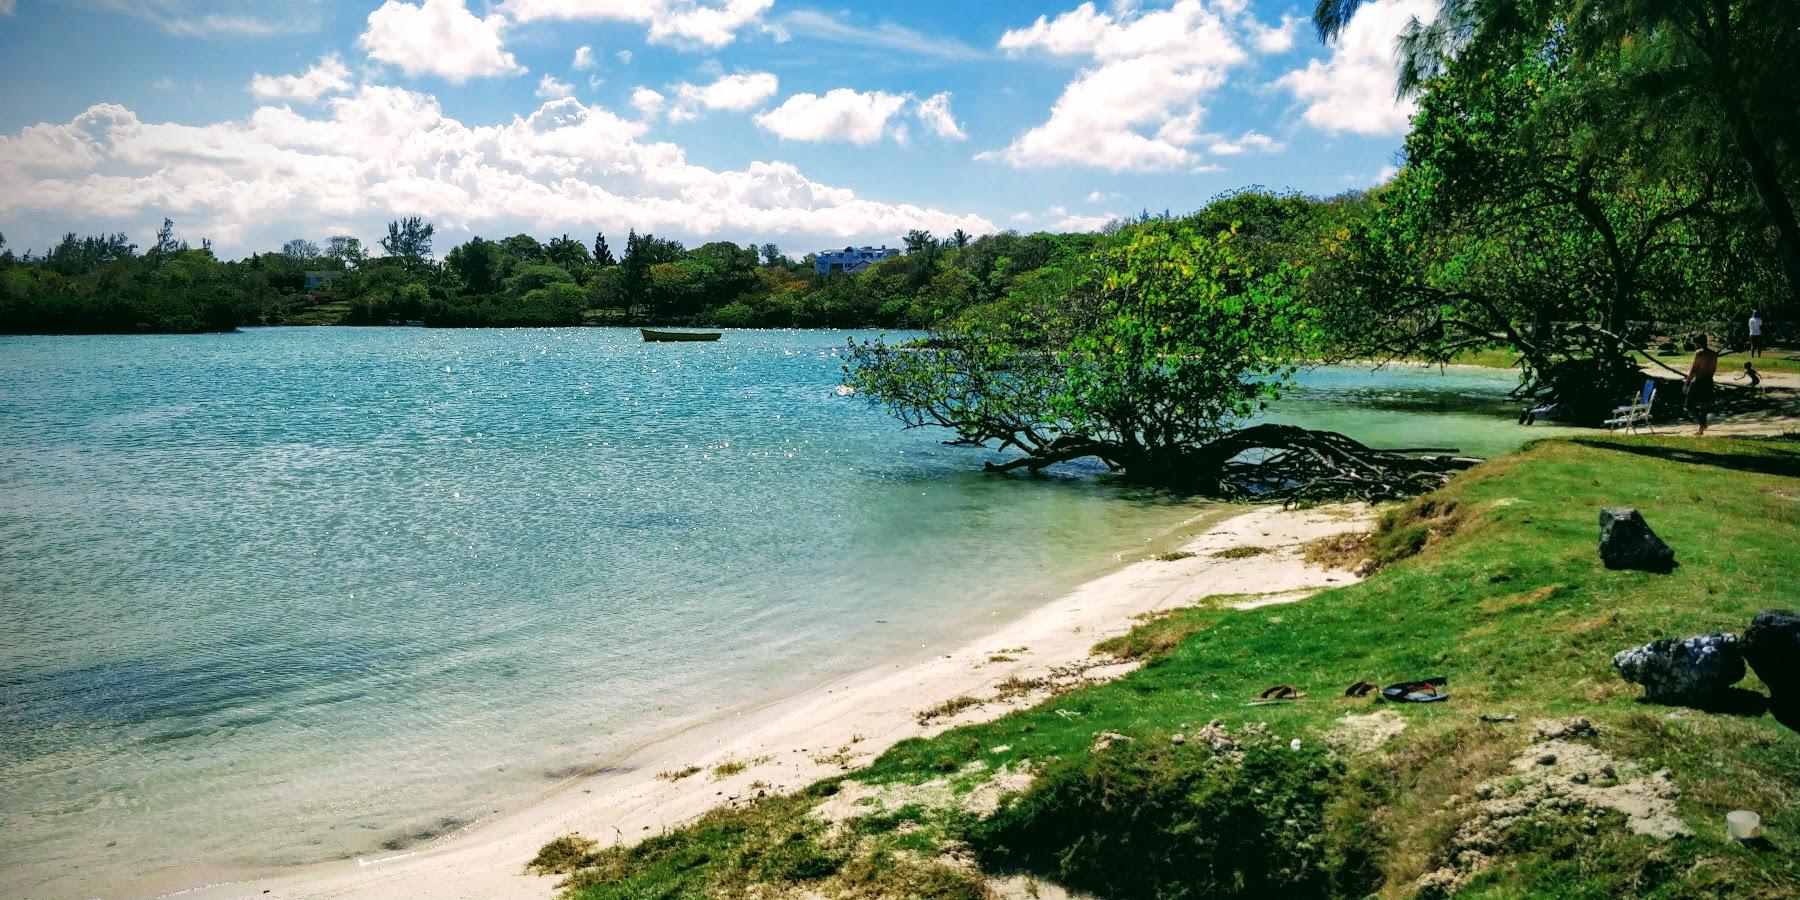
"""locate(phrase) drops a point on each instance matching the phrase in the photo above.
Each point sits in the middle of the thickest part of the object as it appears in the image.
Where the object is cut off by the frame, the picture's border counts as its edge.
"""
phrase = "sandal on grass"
(1361, 688)
(1423, 691)
(1280, 693)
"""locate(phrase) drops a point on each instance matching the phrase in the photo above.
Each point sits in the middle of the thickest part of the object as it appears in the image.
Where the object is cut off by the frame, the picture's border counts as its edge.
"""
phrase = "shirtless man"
(1700, 382)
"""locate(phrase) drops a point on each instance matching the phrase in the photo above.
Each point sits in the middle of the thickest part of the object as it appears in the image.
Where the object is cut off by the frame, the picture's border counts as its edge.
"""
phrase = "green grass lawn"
(1513, 606)
(1785, 359)
(1493, 357)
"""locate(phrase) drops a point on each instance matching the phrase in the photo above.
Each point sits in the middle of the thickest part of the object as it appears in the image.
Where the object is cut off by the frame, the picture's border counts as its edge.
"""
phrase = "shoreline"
(787, 743)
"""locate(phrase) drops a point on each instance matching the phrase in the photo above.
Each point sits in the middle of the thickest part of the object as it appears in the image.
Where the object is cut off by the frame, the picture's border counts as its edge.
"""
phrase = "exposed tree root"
(1270, 462)
(1299, 464)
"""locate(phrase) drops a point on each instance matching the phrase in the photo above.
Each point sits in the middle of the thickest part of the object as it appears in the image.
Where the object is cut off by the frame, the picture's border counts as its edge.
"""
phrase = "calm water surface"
(293, 594)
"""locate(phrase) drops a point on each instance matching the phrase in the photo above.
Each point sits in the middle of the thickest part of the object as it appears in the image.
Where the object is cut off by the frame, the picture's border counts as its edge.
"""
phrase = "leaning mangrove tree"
(1150, 356)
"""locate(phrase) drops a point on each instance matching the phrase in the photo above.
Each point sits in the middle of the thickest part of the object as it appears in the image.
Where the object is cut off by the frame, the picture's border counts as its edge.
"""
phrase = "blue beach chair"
(1637, 412)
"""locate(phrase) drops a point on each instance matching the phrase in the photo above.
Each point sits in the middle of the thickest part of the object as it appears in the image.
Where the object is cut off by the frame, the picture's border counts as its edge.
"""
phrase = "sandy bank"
(790, 743)
(1777, 410)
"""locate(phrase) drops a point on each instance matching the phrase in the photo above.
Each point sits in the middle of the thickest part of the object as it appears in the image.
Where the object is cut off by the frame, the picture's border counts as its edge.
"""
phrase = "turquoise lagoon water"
(294, 594)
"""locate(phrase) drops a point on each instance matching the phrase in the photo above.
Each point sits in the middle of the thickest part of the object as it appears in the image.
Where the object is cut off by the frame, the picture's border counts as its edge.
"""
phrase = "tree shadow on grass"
(1787, 714)
(1743, 702)
(1736, 701)
(1786, 465)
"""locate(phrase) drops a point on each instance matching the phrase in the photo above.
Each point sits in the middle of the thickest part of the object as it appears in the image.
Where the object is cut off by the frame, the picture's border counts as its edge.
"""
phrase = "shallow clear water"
(293, 594)
(1461, 407)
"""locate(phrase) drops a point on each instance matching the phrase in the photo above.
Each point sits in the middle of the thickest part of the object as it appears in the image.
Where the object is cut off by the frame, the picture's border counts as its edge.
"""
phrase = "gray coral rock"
(1683, 670)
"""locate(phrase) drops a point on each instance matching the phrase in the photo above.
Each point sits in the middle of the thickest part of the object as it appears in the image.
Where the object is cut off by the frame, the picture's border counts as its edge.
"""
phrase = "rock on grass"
(1683, 670)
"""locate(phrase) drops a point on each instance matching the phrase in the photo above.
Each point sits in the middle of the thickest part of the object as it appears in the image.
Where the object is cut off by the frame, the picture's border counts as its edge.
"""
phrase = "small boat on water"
(651, 334)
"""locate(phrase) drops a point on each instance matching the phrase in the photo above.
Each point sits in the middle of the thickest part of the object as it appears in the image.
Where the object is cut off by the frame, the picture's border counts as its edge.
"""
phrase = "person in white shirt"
(1755, 333)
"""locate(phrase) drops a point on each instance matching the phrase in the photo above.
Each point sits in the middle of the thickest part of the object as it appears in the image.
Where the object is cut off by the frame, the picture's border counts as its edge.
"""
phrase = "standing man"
(1699, 383)
(1755, 333)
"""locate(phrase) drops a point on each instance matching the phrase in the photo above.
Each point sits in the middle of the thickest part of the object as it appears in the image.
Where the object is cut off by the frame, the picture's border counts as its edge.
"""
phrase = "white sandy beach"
(824, 731)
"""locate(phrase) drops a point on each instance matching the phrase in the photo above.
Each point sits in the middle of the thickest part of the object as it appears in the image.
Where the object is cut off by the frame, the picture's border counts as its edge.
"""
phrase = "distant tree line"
(104, 283)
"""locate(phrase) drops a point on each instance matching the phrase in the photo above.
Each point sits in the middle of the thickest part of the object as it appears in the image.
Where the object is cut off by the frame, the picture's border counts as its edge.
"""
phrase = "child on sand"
(1750, 373)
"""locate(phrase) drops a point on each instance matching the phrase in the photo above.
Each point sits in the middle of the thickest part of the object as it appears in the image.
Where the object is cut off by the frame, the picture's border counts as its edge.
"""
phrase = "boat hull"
(651, 334)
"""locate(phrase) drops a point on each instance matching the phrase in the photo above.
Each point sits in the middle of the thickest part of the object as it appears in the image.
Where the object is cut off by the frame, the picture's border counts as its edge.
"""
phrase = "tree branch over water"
(1150, 361)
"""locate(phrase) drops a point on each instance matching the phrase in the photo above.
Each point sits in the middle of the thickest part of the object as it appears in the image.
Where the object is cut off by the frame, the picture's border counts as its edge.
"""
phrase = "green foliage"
(1159, 340)
(1405, 530)
(1182, 337)
(1526, 216)
(754, 845)
(479, 264)
(99, 284)
(530, 277)
(1702, 88)
(561, 856)
(409, 239)
(1579, 171)
(1173, 821)
(1156, 636)
(511, 281)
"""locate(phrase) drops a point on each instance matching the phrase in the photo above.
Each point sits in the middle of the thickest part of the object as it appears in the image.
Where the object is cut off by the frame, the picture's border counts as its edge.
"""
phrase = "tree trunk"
(1768, 187)
(1756, 156)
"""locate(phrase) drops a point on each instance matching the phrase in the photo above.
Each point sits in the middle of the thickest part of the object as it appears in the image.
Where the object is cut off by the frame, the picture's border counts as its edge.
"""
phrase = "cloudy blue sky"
(808, 124)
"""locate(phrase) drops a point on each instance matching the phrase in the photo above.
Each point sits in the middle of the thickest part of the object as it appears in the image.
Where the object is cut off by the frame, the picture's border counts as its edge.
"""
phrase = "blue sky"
(809, 125)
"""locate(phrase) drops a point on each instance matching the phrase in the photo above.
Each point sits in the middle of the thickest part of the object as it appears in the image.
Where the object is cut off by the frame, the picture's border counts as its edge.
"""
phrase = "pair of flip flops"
(1426, 690)
(1423, 691)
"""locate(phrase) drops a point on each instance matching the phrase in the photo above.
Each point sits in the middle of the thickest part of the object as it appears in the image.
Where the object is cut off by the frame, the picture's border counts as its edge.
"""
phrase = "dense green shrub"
(1174, 821)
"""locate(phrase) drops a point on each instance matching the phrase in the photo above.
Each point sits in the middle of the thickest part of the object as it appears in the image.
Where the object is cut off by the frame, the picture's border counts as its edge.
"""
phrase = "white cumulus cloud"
(1058, 218)
(438, 37)
(734, 93)
(842, 114)
(934, 112)
(1081, 223)
(551, 89)
(329, 75)
(584, 58)
(705, 23)
(1277, 38)
(381, 151)
(1353, 89)
(647, 102)
(1138, 106)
